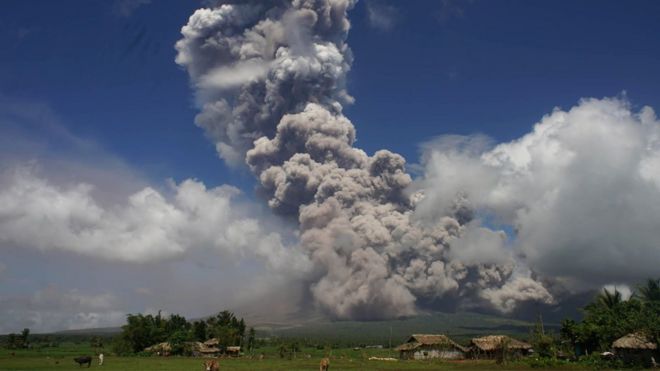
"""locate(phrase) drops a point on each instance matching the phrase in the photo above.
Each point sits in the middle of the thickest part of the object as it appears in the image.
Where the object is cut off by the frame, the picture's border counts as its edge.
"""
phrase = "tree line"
(610, 317)
(18, 341)
(142, 331)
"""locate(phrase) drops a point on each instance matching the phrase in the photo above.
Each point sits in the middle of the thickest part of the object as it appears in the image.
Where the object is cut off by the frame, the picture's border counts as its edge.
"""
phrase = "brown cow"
(211, 365)
(325, 364)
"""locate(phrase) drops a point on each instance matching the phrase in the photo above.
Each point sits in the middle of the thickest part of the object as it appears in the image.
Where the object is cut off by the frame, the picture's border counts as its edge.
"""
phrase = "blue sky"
(455, 67)
(90, 93)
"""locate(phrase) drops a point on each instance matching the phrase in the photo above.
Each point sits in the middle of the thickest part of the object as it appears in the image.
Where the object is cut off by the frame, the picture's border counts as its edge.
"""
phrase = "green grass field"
(61, 358)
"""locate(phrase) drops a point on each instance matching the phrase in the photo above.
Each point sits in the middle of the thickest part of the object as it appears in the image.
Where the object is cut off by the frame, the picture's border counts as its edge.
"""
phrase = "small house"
(635, 348)
(494, 346)
(204, 350)
(423, 346)
(233, 351)
(161, 349)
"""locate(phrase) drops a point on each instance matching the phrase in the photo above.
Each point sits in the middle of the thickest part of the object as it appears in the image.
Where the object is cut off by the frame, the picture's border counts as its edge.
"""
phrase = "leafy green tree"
(121, 346)
(251, 339)
(179, 342)
(543, 344)
(25, 334)
(609, 317)
(225, 318)
(142, 331)
(241, 331)
(200, 331)
(227, 328)
(96, 342)
(12, 341)
(283, 350)
(650, 292)
(176, 323)
(607, 299)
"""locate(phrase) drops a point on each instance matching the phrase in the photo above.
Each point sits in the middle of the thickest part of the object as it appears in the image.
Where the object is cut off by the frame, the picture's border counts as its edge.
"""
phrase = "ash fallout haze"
(356, 160)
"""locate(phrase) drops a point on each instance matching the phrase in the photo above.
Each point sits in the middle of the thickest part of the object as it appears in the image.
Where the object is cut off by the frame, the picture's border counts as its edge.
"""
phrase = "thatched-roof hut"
(213, 342)
(161, 348)
(635, 348)
(494, 346)
(233, 351)
(424, 346)
(195, 348)
(205, 350)
(634, 341)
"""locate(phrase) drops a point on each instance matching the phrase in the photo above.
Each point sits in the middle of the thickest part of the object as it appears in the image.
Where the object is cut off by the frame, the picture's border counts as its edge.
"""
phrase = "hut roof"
(634, 341)
(493, 342)
(195, 345)
(418, 340)
(204, 348)
(160, 347)
(211, 342)
(234, 349)
(209, 350)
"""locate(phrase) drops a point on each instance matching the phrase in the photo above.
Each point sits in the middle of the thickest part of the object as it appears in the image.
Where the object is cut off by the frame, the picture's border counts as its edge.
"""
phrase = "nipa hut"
(205, 350)
(195, 348)
(422, 346)
(233, 351)
(162, 349)
(635, 348)
(494, 346)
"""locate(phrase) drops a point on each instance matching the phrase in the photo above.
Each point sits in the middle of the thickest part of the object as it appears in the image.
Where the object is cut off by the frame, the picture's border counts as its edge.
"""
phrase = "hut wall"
(494, 354)
(640, 357)
(434, 353)
(431, 353)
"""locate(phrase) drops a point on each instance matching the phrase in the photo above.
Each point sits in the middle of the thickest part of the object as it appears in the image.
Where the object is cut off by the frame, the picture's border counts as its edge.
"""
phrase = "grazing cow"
(101, 359)
(211, 366)
(325, 364)
(82, 360)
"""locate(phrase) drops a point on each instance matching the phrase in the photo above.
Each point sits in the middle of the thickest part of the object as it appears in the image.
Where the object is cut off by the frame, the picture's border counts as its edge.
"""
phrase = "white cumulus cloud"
(581, 191)
(147, 226)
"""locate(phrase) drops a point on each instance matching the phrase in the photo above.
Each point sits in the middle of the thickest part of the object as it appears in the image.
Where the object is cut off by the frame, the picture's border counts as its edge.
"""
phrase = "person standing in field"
(101, 359)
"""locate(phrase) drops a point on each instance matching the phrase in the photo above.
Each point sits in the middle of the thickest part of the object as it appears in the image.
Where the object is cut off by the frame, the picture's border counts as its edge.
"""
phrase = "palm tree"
(649, 292)
(607, 299)
(610, 299)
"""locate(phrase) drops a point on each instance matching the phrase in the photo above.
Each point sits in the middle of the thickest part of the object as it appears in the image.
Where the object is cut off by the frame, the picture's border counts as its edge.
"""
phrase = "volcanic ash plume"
(270, 79)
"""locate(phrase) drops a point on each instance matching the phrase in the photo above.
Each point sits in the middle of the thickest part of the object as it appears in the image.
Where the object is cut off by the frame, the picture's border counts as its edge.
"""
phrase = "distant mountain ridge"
(462, 325)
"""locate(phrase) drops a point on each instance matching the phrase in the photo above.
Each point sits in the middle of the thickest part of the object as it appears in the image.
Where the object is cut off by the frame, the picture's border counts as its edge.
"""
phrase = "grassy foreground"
(342, 359)
(184, 363)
